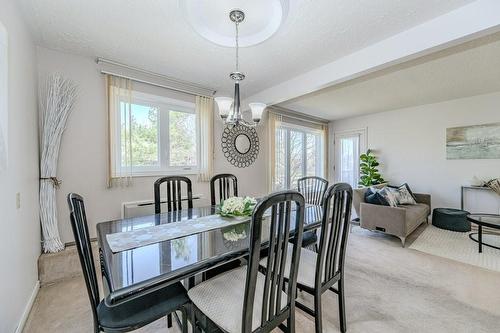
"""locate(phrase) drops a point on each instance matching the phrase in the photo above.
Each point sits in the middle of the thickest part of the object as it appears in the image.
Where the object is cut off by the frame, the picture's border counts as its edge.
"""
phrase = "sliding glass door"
(299, 153)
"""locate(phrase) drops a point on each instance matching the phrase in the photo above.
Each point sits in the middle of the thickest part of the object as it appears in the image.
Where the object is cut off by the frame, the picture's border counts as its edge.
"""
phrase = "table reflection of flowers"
(181, 249)
(235, 233)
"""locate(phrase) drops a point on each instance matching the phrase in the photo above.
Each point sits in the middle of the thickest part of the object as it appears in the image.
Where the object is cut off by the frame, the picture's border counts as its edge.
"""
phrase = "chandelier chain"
(237, 48)
(229, 108)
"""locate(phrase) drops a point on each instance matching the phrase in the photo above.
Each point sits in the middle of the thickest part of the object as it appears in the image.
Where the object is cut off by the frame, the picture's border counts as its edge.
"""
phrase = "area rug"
(459, 247)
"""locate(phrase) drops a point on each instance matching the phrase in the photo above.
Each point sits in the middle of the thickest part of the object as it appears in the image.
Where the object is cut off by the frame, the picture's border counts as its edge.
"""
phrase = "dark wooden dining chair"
(174, 200)
(313, 189)
(130, 314)
(227, 186)
(246, 300)
(174, 193)
(319, 272)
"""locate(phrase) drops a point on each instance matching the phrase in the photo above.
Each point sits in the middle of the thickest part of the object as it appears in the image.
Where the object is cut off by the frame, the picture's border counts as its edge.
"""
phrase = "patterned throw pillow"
(373, 197)
(404, 195)
(389, 195)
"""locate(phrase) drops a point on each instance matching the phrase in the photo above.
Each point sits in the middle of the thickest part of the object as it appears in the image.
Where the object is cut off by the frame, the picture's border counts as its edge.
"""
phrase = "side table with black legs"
(483, 220)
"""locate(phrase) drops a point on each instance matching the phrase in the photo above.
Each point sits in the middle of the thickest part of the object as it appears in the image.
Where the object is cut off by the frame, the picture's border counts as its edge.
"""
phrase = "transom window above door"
(156, 135)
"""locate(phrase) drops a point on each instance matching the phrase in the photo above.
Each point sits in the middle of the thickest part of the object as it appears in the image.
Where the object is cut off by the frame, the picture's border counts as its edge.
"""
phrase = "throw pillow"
(389, 196)
(372, 197)
(404, 194)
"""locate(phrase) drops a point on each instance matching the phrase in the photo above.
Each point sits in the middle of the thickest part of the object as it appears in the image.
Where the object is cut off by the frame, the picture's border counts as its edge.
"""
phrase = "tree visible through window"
(143, 133)
(299, 153)
(162, 137)
(182, 138)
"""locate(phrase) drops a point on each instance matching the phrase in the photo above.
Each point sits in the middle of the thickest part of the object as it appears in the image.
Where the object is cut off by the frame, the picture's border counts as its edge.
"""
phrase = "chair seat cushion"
(221, 299)
(144, 310)
(309, 238)
(307, 266)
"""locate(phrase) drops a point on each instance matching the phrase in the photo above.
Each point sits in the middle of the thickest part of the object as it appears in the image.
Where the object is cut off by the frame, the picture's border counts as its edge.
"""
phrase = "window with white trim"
(299, 152)
(162, 135)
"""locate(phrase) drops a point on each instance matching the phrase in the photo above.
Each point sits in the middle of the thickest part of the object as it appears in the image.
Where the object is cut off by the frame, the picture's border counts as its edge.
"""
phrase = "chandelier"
(229, 108)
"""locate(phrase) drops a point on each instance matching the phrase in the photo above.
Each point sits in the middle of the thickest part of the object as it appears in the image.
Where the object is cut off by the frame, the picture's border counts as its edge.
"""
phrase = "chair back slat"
(227, 186)
(313, 189)
(174, 193)
(337, 203)
(80, 229)
(280, 225)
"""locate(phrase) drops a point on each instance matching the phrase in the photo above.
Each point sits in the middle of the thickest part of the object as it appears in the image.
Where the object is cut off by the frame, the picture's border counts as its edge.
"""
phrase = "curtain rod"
(298, 115)
(140, 75)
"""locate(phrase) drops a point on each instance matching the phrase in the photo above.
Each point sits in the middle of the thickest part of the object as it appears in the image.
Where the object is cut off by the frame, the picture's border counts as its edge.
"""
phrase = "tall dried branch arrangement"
(56, 102)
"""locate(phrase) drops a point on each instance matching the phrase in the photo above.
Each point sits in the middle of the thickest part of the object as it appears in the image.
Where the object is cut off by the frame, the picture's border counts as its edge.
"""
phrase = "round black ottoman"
(451, 219)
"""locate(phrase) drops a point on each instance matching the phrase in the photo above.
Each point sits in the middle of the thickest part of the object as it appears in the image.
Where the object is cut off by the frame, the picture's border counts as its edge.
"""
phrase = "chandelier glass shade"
(230, 108)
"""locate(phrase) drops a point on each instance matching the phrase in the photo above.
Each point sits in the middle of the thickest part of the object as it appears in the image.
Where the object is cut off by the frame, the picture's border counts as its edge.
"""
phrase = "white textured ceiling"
(469, 69)
(153, 35)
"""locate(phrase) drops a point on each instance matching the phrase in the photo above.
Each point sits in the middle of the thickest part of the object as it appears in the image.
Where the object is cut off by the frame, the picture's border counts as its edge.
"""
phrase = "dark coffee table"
(483, 220)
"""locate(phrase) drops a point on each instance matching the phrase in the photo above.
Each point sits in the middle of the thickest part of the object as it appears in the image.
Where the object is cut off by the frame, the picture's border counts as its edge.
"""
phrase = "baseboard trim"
(28, 307)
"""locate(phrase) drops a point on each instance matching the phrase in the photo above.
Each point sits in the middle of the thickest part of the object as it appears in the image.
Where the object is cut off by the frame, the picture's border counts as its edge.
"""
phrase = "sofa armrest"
(358, 196)
(384, 218)
(423, 198)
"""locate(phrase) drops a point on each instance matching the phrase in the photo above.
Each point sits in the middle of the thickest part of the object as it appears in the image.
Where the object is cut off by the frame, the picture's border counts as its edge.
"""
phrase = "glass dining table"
(131, 273)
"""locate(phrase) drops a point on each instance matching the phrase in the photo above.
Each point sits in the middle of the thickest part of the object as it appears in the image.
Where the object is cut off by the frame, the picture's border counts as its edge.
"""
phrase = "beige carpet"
(458, 246)
(388, 289)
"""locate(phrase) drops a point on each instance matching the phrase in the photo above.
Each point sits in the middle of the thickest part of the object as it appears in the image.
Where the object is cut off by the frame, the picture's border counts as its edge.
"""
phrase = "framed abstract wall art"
(473, 142)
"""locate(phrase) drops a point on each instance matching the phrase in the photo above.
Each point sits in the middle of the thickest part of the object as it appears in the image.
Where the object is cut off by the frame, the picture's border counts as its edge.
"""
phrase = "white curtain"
(274, 121)
(57, 101)
(205, 123)
(324, 129)
(119, 93)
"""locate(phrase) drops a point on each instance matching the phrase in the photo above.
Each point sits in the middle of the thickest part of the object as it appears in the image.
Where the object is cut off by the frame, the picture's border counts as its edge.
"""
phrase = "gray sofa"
(399, 221)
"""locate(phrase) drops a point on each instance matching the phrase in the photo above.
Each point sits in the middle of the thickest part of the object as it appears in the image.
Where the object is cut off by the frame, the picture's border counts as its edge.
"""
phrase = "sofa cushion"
(404, 194)
(416, 213)
(373, 197)
(389, 196)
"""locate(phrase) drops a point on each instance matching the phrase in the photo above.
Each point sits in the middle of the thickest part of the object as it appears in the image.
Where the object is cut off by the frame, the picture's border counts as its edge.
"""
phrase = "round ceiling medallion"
(211, 19)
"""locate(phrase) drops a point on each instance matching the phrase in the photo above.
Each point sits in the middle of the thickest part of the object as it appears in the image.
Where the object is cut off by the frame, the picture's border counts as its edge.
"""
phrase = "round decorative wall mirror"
(240, 145)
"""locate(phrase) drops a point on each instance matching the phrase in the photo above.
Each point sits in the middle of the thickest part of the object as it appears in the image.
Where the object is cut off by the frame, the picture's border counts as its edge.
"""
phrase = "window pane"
(143, 133)
(299, 153)
(313, 154)
(182, 133)
(296, 157)
(280, 159)
(349, 160)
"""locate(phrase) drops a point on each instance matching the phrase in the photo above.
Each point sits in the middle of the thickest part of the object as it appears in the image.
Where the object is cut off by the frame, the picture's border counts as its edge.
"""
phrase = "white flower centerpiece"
(237, 208)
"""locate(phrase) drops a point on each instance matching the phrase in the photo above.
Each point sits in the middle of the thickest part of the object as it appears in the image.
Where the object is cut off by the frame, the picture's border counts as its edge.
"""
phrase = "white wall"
(411, 146)
(20, 244)
(82, 164)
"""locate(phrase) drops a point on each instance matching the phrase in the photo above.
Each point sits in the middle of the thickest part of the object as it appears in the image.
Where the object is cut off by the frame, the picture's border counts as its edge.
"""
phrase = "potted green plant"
(369, 174)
